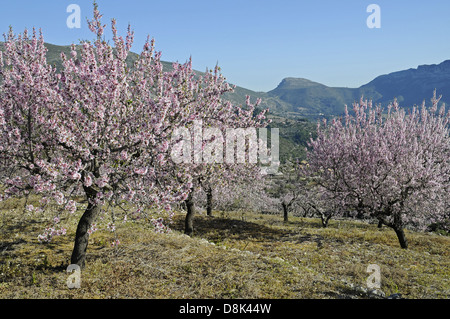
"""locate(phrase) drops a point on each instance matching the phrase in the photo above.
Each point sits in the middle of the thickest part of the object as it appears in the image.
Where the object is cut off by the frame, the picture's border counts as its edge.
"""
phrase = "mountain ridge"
(414, 85)
(410, 87)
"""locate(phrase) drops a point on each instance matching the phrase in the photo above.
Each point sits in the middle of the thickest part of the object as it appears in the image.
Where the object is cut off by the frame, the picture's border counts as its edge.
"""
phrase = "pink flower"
(102, 181)
(71, 207)
(164, 146)
(92, 229)
(111, 227)
(88, 180)
(141, 170)
(123, 156)
(75, 176)
(160, 158)
(115, 242)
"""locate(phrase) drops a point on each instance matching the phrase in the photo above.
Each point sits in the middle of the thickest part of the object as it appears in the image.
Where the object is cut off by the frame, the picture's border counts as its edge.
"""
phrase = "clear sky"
(257, 43)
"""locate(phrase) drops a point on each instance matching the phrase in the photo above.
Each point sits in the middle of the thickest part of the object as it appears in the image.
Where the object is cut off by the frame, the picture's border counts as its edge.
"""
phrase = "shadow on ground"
(218, 228)
(205, 227)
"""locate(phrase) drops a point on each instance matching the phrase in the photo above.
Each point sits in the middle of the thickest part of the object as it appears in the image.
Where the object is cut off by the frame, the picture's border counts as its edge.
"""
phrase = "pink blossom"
(75, 176)
(111, 227)
(102, 181)
(71, 206)
(88, 181)
(115, 242)
(141, 170)
(92, 229)
(123, 155)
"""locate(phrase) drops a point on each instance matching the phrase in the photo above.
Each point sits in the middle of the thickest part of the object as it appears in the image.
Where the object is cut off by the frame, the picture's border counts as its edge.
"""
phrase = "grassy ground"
(232, 255)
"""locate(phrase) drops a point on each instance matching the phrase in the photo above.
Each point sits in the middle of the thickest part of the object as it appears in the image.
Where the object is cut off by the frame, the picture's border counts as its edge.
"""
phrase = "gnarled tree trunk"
(401, 237)
(82, 235)
(325, 218)
(397, 226)
(285, 212)
(189, 221)
(209, 202)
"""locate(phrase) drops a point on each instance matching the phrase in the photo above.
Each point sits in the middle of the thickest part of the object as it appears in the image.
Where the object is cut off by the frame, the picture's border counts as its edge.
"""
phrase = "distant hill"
(313, 99)
(410, 87)
(413, 86)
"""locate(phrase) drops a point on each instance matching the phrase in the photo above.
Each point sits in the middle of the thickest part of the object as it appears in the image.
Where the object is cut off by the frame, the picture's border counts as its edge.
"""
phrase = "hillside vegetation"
(233, 255)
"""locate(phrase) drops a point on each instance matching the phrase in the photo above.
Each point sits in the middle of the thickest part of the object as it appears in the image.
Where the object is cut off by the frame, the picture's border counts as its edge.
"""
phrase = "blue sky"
(257, 43)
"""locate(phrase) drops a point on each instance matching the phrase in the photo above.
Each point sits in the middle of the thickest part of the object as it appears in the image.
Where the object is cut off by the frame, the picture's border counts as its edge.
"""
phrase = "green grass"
(233, 255)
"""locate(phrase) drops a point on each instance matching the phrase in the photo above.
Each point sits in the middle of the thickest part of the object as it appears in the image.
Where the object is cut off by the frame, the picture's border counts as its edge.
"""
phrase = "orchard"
(107, 131)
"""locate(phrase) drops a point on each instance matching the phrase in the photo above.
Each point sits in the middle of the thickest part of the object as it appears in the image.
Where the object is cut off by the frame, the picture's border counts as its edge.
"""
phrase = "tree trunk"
(325, 219)
(380, 224)
(82, 235)
(209, 202)
(285, 212)
(397, 225)
(189, 221)
(401, 237)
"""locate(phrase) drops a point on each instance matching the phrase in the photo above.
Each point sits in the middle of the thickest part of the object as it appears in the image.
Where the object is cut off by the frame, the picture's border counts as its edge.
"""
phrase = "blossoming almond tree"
(393, 167)
(287, 187)
(240, 186)
(98, 127)
(205, 164)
